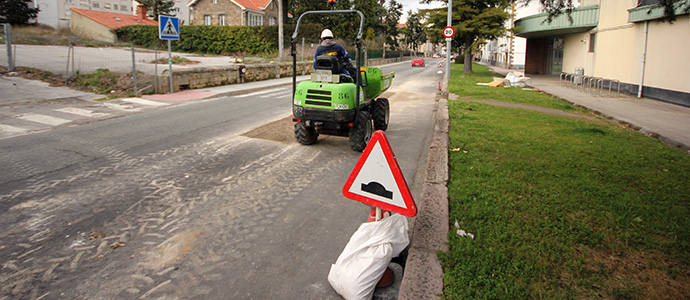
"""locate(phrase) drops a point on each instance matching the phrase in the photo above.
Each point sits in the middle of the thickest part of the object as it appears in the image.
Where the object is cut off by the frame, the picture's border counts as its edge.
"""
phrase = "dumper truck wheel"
(381, 114)
(305, 135)
(361, 132)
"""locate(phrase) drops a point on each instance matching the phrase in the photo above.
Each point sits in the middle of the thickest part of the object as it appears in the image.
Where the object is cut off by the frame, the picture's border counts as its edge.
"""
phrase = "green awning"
(583, 19)
(652, 12)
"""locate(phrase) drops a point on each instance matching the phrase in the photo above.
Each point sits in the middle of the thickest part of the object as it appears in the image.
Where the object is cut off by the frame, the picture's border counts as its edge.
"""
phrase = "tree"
(558, 7)
(472, 20)
(414, 33)
(390, 24)
(17, 12)
(156, 8)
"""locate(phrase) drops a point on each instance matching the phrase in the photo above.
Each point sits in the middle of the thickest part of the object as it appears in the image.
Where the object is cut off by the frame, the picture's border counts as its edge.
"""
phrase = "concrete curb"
(423, 277)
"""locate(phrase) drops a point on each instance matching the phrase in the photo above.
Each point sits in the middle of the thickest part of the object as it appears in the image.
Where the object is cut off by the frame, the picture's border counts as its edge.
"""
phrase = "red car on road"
(418, 62)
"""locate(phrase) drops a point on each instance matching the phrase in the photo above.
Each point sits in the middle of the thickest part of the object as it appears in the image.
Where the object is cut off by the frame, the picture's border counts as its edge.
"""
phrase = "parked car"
(418, 61)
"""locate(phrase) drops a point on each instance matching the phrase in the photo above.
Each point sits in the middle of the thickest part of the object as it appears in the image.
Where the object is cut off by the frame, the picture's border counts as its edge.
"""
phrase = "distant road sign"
(377, 180)
(448, 32)
(168, 28)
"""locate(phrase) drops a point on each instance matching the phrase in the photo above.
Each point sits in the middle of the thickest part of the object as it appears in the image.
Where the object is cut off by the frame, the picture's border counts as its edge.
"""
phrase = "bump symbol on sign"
(377, 189)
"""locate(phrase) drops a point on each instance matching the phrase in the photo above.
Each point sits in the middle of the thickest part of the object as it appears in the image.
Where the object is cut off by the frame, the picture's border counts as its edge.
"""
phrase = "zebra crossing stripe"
(12, 129)
(121, 107)
(43, 119)
(143, 102)
(81, 112)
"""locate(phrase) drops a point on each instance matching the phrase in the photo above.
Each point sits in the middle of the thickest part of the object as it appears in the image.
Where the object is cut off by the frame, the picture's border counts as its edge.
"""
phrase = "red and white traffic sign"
(448, 32)
(377, 180)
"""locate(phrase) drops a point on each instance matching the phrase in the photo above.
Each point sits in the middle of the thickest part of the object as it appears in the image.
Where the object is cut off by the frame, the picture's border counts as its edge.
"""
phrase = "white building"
(509, 51)
(56, 13)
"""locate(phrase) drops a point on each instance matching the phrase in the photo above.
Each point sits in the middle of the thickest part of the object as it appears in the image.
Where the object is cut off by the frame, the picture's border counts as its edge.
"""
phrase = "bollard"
(388, 277)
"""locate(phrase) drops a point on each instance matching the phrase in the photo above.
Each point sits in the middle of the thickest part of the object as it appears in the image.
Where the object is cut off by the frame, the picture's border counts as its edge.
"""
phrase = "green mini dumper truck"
(335, 104)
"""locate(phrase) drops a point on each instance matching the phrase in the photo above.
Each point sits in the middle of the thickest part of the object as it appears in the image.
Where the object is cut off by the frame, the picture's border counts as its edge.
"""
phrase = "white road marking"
(43, 119)
(121, 107)
(261, 92)
(12, 129)
(81, 112)
(282, 93)
(144, 102)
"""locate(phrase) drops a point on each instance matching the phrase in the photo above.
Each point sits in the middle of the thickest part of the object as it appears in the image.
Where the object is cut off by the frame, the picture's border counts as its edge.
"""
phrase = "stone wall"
(202, 77)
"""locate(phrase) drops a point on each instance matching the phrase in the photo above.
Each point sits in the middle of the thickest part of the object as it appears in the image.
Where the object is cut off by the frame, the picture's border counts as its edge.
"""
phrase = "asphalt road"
(206, 199)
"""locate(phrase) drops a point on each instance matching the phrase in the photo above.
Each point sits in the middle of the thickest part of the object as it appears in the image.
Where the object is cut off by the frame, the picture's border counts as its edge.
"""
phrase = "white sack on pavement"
(366, 256)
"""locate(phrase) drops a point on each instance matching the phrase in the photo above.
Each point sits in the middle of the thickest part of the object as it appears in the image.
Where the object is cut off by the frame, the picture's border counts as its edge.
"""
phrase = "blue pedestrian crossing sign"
(168, 28)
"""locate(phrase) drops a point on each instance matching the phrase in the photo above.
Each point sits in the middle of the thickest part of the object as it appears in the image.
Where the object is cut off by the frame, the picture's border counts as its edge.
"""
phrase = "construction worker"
(329, 46)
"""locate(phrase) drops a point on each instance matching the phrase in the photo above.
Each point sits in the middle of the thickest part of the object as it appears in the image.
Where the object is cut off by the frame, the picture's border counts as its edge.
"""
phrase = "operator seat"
(330, 62)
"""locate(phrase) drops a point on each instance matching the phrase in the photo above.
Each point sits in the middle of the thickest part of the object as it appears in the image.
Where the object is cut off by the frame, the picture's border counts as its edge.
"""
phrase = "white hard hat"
(326, 33)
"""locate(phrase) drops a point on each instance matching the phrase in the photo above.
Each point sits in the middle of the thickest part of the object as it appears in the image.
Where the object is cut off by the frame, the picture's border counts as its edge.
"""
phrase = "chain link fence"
(138, 70)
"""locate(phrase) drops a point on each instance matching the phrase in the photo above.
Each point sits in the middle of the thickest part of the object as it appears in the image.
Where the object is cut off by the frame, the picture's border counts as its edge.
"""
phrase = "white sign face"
(377, 180)
(324, 75)
(168, 28)
(448, 32)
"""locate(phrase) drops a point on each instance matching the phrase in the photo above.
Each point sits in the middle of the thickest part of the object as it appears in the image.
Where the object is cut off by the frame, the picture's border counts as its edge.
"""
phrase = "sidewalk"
(225, 90)
(670, 123)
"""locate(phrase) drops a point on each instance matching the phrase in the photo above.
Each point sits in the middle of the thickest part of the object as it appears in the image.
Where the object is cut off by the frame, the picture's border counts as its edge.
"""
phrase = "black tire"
(381, 114)
(305, 135)
(361, 132)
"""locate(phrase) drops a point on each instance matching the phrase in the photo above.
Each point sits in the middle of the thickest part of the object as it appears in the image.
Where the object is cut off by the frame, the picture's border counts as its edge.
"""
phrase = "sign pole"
(169, 29)
(170, 65)
(448, 43)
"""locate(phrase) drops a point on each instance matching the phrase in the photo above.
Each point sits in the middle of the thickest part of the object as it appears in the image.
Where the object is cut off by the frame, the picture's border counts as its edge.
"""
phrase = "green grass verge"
(467, 88)
(560, 208)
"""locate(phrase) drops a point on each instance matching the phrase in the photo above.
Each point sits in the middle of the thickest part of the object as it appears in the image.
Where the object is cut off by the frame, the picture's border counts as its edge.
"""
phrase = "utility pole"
(448, 42)
(280, 30)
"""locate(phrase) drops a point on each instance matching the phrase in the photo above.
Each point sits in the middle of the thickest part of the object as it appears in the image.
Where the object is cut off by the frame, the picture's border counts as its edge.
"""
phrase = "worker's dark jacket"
(330, 47)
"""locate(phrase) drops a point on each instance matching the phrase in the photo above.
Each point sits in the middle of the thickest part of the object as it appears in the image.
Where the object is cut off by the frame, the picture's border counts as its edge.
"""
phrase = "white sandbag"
(366, 256)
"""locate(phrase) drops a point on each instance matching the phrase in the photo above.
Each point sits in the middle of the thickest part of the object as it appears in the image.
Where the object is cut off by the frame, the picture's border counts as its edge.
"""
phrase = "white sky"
(414, 6)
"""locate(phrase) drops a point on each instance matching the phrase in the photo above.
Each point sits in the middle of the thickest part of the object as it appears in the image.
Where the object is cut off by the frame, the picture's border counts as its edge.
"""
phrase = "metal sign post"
(448, 42)
(169, 29)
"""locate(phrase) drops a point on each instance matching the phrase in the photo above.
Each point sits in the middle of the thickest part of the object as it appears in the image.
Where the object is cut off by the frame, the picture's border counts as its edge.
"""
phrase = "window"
(255, 19)
(95, 4)
(592, 41)
(221, 20)
(106, 6)
(68, 1)
(123, 7)
(207, 19)
(176, 9)
(84, 3)
(215, 1)
(273, 5)
(271, 21)
(115, 7)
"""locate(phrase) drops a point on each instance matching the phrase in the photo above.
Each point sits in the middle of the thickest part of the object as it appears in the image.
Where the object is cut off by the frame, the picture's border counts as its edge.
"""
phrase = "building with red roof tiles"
(101, 26)
(233, 12)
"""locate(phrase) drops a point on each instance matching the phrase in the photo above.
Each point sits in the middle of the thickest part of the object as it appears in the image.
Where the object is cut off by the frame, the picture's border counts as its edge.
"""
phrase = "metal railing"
(589, 84)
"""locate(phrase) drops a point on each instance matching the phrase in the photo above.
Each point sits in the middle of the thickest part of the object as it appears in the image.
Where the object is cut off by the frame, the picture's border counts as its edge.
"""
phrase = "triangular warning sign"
(377, 180)
(169, 28)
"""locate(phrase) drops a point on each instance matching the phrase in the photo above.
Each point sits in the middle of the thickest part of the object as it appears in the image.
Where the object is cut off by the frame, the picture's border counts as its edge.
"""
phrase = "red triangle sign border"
(379, 137)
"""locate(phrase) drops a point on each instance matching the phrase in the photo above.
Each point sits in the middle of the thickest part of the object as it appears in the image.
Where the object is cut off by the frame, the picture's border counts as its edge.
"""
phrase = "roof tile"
(113, 20)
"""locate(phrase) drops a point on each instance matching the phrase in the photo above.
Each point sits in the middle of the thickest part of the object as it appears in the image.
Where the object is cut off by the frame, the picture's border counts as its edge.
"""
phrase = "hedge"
(218, 39)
